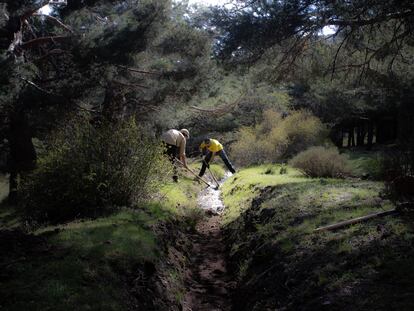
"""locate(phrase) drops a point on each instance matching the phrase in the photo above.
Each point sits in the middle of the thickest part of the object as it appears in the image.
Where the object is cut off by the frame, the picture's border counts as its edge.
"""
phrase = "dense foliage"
(86, 171)
(114, 59)
(276, 138)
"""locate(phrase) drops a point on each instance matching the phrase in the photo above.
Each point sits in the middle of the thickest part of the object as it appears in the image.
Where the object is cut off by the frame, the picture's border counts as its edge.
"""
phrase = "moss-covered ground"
(281, 263)
(129, 260)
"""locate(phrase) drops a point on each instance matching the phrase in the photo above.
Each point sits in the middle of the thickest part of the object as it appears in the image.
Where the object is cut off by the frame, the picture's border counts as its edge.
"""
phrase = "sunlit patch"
(329, 30)
(45, 10)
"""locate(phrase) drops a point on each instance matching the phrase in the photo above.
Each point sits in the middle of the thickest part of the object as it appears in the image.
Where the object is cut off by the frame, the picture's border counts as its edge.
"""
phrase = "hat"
(185, 132)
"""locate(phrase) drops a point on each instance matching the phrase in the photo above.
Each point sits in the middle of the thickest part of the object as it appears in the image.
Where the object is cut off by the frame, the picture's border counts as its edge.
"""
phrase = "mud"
(207, 281)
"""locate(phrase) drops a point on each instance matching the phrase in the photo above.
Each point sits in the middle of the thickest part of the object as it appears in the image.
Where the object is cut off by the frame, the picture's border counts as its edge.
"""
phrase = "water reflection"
(210, 199)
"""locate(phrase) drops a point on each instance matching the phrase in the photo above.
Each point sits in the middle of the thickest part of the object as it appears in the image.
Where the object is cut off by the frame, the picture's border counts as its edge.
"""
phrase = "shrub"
(277, 138)
(302, 130)
(247, 149)
(321, 162)
(85, 171)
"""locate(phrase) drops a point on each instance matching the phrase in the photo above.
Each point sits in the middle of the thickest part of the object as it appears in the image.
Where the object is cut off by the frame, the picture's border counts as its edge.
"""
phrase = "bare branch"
(36, 86)
(49, 53)
(41, 40)
(375, 20)
(53, 94)
(130, 85)
(139, 70)
(55, 20)
(337, 52)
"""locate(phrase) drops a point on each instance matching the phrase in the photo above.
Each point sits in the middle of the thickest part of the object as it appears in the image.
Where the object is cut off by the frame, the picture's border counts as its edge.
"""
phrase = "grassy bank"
(280, 262)
(130, 260)
(242, 188)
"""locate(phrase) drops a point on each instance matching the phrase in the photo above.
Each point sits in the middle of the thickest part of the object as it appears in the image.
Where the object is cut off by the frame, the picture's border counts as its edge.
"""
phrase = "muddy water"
(209, 199)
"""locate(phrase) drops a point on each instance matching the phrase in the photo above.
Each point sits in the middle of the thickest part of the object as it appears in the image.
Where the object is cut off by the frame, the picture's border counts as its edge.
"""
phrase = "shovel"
(212, 175)
(178, 161)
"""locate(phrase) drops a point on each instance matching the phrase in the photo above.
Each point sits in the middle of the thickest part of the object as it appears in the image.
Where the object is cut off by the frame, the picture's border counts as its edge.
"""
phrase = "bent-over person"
(175, 142)
(211, 147)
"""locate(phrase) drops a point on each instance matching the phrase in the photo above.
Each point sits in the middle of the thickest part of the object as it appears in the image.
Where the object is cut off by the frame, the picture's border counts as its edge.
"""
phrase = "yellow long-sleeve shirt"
(213, 146)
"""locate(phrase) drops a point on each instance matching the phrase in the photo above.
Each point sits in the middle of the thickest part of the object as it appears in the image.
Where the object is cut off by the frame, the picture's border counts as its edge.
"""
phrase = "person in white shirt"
(175, 141)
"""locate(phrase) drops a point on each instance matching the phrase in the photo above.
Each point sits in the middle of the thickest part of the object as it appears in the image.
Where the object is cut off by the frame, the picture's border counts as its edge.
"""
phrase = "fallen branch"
(354, 221)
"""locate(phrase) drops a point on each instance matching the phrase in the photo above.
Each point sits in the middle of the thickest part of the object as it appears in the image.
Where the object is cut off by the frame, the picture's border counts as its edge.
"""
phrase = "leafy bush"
(276, 138)
(302, 130)
(321, 162)
(86, 171)
(247, 149)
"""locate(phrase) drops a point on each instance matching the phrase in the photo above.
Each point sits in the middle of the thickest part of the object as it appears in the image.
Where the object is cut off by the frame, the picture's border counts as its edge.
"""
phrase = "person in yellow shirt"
(210, 147)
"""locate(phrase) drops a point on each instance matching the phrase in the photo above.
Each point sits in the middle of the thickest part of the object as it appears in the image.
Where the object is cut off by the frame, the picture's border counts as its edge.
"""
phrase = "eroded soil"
(209, 285)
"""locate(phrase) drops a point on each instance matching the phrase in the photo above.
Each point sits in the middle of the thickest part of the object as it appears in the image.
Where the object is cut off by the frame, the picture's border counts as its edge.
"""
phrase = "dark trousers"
(222, 155)
(172, 152)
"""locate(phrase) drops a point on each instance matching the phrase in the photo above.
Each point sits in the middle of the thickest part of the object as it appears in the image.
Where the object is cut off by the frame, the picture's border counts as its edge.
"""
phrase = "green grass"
(270, 225)
(96, 264)
(80, 266)
(216, 167)
(240, 189)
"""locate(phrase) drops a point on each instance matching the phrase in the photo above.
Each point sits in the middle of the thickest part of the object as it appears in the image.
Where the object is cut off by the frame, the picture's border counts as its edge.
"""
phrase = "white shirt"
(175, 138)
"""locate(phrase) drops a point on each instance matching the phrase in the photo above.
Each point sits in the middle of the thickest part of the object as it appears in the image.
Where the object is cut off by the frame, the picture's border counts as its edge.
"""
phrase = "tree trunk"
(370, 135)
(12, 198)
(351, 137)
(336, 136)
(380, 133)
(361, 134)
(386, 130)
(22, 152)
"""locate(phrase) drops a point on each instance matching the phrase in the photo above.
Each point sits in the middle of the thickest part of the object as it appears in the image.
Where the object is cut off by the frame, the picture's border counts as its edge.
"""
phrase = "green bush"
(247, 149)
(86, 171)
(276, 138)
(321, 162)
